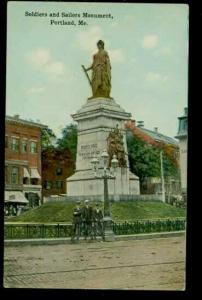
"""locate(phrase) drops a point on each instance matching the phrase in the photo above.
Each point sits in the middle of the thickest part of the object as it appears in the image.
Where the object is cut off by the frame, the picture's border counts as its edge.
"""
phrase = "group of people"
(14, 209)
(87, 221)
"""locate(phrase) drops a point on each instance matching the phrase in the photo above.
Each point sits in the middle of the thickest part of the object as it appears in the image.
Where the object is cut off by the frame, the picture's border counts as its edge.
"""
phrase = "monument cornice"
(96, 129)
(101, 112)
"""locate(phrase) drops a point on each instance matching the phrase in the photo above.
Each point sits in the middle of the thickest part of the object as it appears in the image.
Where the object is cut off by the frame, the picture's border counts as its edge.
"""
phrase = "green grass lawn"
(121, 211)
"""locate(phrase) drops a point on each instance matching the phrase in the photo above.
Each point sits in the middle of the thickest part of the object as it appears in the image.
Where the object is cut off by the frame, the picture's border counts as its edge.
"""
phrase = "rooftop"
(151, 136)
(17, 119)
(157, 136)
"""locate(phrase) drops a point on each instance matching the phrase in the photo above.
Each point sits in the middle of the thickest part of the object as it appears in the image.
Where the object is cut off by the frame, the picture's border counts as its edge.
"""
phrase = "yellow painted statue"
(101, 73)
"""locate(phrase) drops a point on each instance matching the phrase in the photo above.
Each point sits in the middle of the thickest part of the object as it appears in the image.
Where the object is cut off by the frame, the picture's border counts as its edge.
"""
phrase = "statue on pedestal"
(101, 73)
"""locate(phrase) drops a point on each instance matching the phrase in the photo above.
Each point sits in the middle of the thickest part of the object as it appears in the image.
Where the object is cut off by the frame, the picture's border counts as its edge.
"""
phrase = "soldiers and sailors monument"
(101, 128)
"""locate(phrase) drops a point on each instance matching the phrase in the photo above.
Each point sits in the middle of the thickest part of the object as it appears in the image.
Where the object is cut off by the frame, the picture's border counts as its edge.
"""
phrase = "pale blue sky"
(147, 44)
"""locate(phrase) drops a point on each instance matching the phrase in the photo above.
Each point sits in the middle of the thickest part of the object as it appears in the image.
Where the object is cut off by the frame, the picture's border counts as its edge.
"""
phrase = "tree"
(144, 159)
(69, 139)
(48, 138)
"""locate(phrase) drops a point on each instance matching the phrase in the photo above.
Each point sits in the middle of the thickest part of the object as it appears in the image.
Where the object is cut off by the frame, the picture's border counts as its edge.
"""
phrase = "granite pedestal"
(95, 120)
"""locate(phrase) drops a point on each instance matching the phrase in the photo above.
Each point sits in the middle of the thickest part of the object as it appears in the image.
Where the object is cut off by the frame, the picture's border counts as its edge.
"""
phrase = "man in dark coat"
(76, 230)
(98, 221)
(87, 214)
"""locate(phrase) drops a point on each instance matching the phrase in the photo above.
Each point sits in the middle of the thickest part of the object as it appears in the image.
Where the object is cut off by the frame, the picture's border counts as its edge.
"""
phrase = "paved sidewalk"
(154, 264)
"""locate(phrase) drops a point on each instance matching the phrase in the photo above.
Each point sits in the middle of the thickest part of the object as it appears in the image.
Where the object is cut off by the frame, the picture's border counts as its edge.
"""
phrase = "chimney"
(156, 129)
(133, 122)
(140, 123)
(185, 111)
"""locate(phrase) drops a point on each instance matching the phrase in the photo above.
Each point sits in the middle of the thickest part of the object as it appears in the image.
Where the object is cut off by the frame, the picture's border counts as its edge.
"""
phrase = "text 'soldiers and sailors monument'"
(101, 127)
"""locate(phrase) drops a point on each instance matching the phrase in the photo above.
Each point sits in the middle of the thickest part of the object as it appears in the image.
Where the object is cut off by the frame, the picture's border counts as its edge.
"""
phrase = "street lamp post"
(108, 232)
(162, 178)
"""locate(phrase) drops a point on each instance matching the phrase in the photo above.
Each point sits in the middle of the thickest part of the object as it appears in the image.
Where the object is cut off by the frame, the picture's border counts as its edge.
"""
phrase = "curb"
(59, 241)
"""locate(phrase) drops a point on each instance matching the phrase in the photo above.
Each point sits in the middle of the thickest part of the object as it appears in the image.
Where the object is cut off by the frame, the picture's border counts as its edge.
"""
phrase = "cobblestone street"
(155, 264)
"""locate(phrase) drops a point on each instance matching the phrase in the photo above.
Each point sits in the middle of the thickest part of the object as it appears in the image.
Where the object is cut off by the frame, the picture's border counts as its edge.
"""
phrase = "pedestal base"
(84, 185)
(109, 235)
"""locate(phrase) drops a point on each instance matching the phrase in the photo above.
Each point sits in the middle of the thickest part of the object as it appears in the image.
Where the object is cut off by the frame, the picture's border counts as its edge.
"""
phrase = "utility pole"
(162, 178)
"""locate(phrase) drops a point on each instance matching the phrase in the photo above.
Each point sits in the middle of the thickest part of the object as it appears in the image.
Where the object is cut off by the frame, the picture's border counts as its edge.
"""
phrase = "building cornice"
(16, 162)
(19, 121)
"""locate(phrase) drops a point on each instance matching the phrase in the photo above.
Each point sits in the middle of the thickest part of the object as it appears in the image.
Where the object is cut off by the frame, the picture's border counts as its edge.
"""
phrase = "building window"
(185, 125)
(59, 184)
(15, 144)
(47, 185)
(24, 146)
(14, 175)
(33, 147)
(59, 171)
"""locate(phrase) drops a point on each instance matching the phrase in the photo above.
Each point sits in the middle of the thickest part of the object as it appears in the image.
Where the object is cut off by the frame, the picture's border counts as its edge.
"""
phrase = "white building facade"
(182, 136)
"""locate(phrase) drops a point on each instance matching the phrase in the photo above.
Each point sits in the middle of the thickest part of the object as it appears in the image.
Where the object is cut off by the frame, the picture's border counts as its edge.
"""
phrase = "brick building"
(22, 161)
(57, 166)
(169, 145)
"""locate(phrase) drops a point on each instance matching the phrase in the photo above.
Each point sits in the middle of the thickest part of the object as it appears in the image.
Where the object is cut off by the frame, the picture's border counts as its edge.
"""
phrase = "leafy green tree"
(144, 159)
(48, 138)
(68, 139)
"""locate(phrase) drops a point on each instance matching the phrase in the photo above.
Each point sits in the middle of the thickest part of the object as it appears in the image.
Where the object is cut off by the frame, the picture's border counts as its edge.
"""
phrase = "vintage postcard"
(96, 146)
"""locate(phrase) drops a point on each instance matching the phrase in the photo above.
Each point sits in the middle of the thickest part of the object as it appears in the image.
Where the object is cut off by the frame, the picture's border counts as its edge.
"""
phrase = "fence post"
(27, 231)
(58, 230)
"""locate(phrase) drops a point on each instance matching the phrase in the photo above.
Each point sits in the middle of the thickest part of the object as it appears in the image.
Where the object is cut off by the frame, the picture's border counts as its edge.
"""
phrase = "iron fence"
(149, 226)
(60, 230)
(31, 231)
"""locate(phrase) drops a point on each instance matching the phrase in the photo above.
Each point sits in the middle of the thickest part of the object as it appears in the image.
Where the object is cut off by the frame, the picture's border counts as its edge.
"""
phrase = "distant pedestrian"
(77, 219)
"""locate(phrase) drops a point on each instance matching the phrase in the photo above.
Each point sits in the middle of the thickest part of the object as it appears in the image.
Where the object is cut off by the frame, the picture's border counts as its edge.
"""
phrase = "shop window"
(25, 180)
(34, 181)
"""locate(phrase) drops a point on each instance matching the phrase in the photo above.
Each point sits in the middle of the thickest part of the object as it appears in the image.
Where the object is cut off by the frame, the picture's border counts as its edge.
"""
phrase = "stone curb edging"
(57, 241)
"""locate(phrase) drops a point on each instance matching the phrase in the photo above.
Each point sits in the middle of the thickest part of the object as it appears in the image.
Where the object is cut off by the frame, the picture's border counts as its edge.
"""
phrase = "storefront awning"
(35, 173)
(26, 173)
(15, 197)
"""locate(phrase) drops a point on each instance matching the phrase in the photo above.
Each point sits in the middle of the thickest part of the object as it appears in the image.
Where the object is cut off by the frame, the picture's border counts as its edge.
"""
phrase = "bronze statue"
(101, 73)
(116, 146)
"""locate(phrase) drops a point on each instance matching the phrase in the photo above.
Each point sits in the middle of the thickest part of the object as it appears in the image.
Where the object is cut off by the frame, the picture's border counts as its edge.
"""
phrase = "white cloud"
(88, 39)
(54, 68)
(116, 55)
(153, 77)
(163, 51)
(41, 59)
(35, 90)
(150, 41)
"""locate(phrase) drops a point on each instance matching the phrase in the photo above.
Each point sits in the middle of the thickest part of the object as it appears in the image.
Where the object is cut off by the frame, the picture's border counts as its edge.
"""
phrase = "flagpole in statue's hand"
(85, 71)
